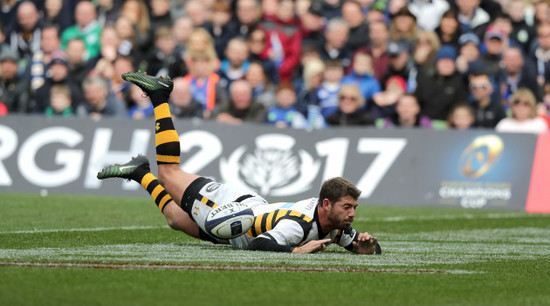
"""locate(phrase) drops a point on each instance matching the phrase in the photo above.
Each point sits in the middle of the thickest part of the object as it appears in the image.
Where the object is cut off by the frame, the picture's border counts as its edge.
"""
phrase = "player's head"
(338, 200)
(335, 188)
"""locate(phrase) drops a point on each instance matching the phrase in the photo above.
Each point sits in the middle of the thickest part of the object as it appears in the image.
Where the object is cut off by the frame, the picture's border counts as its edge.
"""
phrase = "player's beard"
(339, 222)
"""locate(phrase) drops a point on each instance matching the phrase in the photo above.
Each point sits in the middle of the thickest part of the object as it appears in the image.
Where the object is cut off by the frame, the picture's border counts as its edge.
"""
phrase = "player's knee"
(166, 171)
(173, 223)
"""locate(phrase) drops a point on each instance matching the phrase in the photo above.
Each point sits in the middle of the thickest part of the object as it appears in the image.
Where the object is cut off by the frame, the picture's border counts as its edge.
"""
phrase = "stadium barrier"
(471, 169)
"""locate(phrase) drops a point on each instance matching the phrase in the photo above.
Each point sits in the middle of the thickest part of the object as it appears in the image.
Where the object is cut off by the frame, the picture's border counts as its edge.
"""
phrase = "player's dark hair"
(335, 188)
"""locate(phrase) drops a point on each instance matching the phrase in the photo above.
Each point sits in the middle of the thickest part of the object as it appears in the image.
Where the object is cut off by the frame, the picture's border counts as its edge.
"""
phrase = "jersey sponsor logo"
(273, 167)
(213, 186)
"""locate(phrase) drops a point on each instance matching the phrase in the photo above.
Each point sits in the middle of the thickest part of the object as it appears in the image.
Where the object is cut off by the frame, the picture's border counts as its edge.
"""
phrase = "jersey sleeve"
(287, 232)
(345, 238)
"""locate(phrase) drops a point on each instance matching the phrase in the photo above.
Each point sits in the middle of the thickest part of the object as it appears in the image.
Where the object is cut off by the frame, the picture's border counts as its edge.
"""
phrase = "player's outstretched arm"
(366, 244)
(312, 247)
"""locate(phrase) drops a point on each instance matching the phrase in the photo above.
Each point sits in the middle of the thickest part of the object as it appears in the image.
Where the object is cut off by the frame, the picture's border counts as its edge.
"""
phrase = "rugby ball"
(229, 220)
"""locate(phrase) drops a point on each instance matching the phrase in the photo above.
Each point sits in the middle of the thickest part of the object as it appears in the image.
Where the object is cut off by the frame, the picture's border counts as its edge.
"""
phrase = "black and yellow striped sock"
(167, 140)
(156, 190)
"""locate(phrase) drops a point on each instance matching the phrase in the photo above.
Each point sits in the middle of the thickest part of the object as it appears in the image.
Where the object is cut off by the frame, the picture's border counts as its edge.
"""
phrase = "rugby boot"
(157, 88)
(135, 169)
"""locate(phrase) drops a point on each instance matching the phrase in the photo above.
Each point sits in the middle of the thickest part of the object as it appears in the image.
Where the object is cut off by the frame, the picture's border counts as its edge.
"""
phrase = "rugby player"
(186, 199)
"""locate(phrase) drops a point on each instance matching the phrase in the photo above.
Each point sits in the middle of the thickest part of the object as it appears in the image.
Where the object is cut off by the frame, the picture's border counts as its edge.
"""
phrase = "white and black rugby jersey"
(291, 224)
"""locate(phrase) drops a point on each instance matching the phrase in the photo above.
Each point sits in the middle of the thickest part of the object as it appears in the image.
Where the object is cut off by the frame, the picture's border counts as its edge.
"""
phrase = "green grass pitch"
(84, 250)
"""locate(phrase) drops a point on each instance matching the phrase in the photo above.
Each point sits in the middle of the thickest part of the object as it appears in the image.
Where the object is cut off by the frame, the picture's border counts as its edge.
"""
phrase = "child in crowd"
(328, 92)
(285, 114)
(461, 117)
(362, 74)
(60, 102)
(407, 114)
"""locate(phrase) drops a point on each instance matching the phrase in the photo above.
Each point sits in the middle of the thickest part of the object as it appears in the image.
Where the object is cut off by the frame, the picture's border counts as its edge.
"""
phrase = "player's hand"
(365, 244)
(312, 247)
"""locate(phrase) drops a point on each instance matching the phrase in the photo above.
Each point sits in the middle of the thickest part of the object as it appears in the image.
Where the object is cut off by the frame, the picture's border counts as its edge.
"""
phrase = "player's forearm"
(264, 244)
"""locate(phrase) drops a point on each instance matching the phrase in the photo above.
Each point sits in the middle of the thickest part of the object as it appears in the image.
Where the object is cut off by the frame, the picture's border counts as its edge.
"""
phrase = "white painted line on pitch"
(387, 219)
(91, 229)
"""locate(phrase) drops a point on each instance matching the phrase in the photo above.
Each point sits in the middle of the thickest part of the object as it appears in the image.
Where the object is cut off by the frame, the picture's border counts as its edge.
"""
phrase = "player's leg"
(138, 170)
(167, 142)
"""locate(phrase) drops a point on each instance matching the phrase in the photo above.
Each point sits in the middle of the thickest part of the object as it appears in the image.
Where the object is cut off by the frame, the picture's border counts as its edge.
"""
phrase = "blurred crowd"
(433, 64)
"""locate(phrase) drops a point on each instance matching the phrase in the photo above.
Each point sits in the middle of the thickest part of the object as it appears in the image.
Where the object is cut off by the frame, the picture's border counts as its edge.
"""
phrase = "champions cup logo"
(273, 168)
(480, 156)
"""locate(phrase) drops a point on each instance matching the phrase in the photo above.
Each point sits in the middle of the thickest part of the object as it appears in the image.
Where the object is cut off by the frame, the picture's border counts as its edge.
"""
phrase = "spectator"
(362, 75)
(182, 28)
(359, 29)
(408, 114)
(182, 104)
(110, 45)
(235, 65)
(517, 73)
(334, 48)
(488, 111)
(198, 12)
(25, 36)
(332, 8)
(309, 53)
(57, 74)
(285, 40)
(539, 56)
(263, 90)
(204, 82)
(247, 15)
(49, 43)
(164, 59)
(60, 102)
(128, 40)
(313, 78)
(378, 48)
(403, 27)
(137, 15)
(437, 93)
(240, 107)
(100, 101)
(472, 18)
(78, 67)
(312, 26)
(139, 105)
(383, 103)
(402, 65)
(8, 15)
(284, 113)
(449, 29)
(259, 51)
(58, 13)
(522, 33)
(200, 41)
(495, 44)
(86, 28)
(107, 12)
(221, 29)
(351, 108)
(160, 14)
(14, 89)
(468, 53)
(328, 91)
(425, 50)
(428, 13)
(524, 118)
(461, 117)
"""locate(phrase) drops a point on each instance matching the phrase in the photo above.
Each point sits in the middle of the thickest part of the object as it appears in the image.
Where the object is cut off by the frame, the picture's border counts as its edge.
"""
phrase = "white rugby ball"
(229, 220)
